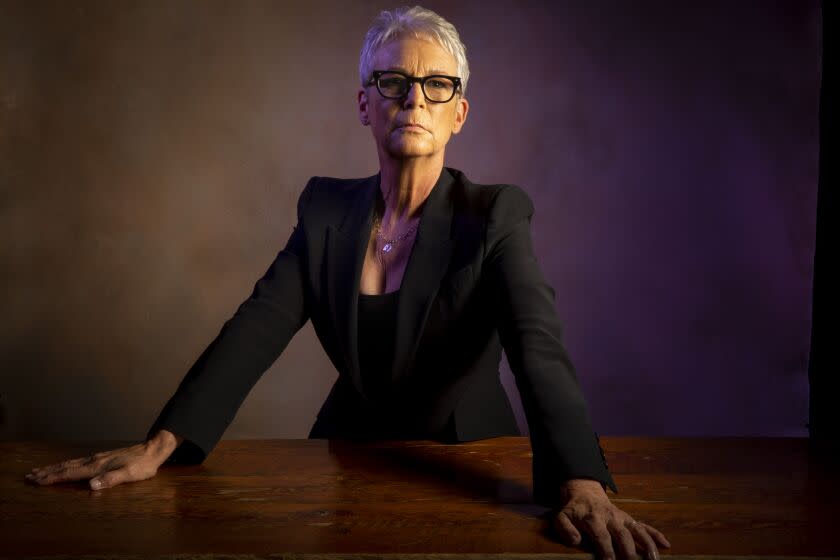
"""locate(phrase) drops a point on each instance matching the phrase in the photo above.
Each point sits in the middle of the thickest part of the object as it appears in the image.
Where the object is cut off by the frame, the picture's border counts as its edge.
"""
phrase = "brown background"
(151, 154)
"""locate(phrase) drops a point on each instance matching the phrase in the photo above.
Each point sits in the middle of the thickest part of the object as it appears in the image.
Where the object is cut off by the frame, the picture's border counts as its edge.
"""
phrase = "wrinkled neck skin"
(405, 184)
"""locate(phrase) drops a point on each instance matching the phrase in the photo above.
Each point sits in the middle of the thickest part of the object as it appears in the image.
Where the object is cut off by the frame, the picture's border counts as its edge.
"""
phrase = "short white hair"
(417, 22)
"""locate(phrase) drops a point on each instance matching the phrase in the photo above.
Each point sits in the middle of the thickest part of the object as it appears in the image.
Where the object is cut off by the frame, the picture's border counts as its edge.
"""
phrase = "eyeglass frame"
(376, 74)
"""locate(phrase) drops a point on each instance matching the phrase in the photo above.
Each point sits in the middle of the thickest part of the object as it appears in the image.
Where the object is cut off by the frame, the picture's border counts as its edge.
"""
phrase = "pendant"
(387, 248)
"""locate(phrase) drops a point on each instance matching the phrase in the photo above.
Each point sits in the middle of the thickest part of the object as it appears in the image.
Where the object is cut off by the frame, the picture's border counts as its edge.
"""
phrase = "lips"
(412, 126)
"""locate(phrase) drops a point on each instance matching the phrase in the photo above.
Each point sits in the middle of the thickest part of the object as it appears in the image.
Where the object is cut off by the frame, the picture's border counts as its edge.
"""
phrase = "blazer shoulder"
(497, 202)
(326, 194)
(333, 186)
(510, 204)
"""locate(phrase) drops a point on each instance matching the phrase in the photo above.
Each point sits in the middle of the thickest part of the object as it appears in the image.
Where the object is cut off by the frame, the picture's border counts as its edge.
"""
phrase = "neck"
(405, 185)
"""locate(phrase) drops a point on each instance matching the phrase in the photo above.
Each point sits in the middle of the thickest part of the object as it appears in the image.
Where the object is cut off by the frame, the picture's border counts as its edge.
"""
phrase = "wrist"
(573, 485)
(164, 443)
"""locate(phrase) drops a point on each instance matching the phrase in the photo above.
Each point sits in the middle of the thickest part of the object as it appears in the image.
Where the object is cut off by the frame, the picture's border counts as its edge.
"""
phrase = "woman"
(414, 279)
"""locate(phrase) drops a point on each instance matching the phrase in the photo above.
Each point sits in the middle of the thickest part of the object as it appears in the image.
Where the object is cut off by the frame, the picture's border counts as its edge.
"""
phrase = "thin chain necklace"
(389, 243)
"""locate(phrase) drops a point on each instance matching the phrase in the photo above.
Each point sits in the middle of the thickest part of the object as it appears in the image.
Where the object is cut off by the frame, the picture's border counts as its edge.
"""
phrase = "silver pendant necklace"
(389, 243)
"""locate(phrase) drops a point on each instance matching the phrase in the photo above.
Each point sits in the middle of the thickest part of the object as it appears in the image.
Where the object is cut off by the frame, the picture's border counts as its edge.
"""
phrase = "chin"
(411, 149)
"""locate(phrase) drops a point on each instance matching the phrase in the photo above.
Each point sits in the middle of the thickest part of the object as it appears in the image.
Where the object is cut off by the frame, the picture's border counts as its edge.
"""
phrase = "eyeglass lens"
(436, 89)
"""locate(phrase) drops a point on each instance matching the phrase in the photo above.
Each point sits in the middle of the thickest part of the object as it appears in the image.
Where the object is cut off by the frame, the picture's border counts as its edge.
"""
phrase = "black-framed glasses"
(437, 88)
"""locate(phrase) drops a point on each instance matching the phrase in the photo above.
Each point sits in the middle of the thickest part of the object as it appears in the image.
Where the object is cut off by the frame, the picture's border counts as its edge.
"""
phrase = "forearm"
(564, 443)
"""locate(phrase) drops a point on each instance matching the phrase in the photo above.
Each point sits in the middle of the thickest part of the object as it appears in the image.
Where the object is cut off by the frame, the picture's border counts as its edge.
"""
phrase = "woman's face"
(415, 57)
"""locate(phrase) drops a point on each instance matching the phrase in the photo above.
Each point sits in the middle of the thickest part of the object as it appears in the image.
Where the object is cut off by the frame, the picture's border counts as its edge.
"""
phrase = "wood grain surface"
(289, 499)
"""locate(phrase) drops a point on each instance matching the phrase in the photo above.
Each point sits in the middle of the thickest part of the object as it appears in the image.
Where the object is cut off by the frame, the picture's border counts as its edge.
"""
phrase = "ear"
(361, 97)
(461, 110)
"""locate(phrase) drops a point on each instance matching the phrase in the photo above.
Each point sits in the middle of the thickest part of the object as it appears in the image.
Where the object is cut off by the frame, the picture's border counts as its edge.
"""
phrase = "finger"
(73, 472)
(601, 538)
(64, 464)
(119, 476)
(646, 543)
(625, 541)
(58, 468)
(567, 529)
(50, 468)
(47, 474)
(657, 535)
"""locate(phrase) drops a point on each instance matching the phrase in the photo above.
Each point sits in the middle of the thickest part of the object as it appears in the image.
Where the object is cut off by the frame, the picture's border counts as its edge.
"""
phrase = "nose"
(414, 96)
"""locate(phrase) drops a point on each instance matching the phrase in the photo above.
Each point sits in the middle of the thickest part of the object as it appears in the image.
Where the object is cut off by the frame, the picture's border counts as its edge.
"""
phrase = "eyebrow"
(433, 71)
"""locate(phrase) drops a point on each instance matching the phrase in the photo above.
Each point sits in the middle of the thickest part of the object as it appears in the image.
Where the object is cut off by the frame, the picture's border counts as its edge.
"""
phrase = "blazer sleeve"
(563, 443)
(214, 388)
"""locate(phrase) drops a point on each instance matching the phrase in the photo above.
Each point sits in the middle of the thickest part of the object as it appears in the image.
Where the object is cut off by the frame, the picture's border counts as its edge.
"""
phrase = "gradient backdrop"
(151, 155)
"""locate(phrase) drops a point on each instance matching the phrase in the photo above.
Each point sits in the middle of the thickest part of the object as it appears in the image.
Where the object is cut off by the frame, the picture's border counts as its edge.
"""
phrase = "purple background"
(151, 154)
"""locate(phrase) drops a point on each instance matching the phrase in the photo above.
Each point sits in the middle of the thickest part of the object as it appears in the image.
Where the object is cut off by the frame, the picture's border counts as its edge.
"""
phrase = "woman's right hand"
(110, 468)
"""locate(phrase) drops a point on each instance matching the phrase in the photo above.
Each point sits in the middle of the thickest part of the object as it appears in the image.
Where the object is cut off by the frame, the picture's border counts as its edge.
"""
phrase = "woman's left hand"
(589, 510)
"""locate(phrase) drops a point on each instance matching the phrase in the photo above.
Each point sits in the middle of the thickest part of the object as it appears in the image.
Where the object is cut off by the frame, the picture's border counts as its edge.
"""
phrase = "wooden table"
(723, 497)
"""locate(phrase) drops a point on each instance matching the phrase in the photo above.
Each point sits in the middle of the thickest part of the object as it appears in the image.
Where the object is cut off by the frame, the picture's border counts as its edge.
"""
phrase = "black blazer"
(472, 285)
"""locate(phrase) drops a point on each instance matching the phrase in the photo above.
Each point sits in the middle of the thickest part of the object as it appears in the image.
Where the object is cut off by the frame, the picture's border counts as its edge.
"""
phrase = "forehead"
(415, 56)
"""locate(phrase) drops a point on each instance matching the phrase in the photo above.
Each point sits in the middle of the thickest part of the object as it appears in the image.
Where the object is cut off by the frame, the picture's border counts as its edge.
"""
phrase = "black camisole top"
(377, 330)
(377, 326)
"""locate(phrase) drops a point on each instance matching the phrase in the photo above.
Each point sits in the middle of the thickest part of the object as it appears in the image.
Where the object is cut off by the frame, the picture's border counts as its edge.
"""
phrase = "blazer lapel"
(428, 261)
(345, 253)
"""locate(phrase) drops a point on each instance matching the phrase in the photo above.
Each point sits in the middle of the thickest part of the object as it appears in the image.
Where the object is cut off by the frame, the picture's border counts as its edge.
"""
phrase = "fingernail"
(95, 483)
